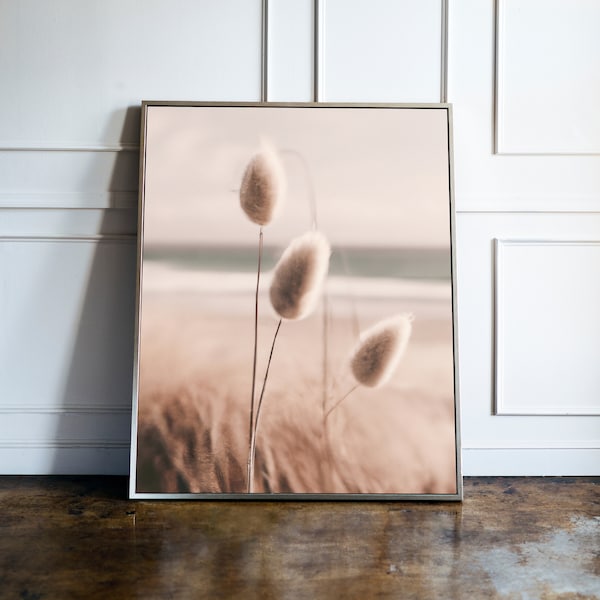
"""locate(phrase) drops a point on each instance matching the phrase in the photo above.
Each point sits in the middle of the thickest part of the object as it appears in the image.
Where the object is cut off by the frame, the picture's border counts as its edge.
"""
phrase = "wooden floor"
(79, 537)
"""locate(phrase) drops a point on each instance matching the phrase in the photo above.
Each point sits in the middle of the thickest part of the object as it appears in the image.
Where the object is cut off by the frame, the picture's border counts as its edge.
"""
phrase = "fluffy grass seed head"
(380, 349)
(299, 275)
(263, 185)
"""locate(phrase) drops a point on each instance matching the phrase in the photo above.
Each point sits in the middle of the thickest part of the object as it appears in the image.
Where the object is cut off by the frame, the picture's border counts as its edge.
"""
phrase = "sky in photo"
(379, 176)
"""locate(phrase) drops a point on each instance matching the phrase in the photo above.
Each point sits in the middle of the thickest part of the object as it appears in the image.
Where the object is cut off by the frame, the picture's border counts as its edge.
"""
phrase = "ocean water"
(421, 264)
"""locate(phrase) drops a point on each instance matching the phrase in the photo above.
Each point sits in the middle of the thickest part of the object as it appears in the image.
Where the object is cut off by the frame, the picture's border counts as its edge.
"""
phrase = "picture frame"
(296, 328)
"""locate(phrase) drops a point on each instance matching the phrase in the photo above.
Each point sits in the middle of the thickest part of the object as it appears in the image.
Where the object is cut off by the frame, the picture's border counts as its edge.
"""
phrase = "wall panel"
(64, 179)
(66, 342)
(547, 189)
(71, 69)
(490, 182)
(548, 89)
(547, 326)
(74, 74)
(381, 50)
(67, 222)
(291, 46)
(500, 439)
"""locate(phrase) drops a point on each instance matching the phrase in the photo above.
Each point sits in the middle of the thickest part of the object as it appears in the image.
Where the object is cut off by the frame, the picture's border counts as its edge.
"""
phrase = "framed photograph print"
(296, 324)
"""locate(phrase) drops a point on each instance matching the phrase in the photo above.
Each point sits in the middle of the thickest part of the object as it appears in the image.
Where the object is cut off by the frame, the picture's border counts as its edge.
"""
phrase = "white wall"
(527, 173)
(521, 76)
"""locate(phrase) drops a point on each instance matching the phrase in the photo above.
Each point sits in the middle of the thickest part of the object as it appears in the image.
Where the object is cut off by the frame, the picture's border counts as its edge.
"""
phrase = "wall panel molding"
(65, 146)
(264, 51)
(500, 444)
(69, 200)
(68, 224)
(444, 57)
(501, 205)
(129, 240)
(72, 409)
(319, 44)
(546, 327)
(64, 443)
(91, 238)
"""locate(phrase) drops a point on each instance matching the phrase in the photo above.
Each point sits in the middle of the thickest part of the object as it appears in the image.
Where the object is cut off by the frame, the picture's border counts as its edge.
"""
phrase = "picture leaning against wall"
(296, 332)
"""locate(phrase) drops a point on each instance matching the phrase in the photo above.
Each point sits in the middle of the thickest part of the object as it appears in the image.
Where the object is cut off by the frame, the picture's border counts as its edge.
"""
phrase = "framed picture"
(296, 337)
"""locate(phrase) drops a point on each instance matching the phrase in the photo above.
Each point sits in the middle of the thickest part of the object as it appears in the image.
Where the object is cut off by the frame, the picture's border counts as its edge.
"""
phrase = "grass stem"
(258, 407)
(251, 420)
(327, 413)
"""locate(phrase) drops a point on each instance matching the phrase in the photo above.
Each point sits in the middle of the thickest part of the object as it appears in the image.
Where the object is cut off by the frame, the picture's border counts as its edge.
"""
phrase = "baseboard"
(531, 461)
(90, 460)
(65, 460)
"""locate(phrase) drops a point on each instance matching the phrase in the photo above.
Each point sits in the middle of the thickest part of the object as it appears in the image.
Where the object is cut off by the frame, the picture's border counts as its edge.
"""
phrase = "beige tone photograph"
(295, 322)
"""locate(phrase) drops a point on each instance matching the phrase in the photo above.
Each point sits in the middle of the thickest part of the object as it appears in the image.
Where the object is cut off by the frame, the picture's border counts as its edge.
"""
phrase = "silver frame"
(270, 497)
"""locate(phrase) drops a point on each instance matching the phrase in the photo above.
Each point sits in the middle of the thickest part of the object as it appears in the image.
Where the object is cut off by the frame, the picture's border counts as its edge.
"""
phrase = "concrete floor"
(79, 537)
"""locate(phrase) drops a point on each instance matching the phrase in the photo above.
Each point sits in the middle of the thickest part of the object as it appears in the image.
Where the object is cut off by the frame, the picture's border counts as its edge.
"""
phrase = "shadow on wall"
(93, 430)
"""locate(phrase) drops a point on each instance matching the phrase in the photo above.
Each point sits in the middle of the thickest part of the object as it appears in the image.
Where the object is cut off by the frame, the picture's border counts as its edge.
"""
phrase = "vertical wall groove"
(444, 51)
(264, 59)
(316, 50)
(496, 76)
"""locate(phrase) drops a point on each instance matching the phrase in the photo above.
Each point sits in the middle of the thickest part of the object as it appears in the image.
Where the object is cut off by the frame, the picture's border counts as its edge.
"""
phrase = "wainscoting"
(522, 81)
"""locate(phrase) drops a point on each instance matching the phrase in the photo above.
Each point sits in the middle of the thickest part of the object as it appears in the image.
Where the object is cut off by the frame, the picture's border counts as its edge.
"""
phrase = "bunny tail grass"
(380, 349)
(299, 275)
(263, 185)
